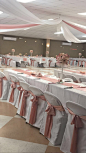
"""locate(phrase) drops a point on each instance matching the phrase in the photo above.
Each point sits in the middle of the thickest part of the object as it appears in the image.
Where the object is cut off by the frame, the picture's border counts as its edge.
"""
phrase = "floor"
(17, 136)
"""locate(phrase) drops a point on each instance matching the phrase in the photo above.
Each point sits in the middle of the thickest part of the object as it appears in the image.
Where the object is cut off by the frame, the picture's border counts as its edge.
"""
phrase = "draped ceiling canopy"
(16, 9)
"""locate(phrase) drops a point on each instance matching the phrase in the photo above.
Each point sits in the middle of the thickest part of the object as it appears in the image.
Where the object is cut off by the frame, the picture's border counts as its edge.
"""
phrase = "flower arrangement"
(13, 51)
(47, 53)
(31, 51)
(62, 59)
(20, 54)
(80, 54)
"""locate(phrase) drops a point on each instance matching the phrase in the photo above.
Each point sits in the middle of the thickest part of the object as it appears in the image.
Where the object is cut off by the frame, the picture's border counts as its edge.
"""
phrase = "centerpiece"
(13, 51)
(31, 52)
(80, 54)
(62, 59)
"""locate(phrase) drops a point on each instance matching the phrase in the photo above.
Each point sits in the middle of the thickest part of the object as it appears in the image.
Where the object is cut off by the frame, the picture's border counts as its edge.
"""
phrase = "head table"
(62, 91)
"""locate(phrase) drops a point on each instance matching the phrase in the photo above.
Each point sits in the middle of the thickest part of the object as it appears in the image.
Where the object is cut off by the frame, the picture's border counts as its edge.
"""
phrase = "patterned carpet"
(17, 136)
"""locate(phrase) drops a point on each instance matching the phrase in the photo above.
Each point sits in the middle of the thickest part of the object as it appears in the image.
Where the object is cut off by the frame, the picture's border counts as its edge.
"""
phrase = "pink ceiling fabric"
(4, 26)
(76, 27)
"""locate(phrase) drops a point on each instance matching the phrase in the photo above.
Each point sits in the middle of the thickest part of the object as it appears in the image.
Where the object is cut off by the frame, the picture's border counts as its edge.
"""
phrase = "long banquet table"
(63, 92)
(75, 73)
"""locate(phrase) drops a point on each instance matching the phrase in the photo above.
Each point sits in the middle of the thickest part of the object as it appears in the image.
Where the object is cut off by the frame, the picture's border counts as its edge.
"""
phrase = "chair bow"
(51, 111)
(77, 121)
(34, 107)
(23, 106)
(13, 86)
(21, 90)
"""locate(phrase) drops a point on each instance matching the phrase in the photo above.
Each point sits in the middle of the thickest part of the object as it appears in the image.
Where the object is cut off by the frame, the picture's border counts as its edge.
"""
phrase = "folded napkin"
(39, 75)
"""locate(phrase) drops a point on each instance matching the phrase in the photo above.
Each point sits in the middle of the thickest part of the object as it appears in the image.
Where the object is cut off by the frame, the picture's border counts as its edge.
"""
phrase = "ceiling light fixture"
(50, 19)
(1, 12)
(57, 33)
(82, 13)
(25, 1)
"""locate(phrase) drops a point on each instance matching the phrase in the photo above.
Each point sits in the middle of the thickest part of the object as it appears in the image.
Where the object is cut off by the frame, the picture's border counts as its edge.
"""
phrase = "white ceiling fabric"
(68, 35)
(16, 9)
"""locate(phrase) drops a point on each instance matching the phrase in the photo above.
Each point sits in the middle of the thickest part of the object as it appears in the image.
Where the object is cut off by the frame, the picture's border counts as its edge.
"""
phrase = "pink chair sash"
(23, 106)
(13, 86)
(77, 121)
(34, 107)
(51, 111)
(10, 61)
(50, 62)
(32, 62)
(1, 85)
(21, 90)
(5, 60)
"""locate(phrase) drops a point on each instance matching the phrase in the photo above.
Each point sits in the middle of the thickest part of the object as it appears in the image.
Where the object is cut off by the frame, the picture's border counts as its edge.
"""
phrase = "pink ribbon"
(50, 62)
(51, 111)
(77, 121)
(23, 106)
(1, 85)
(21, 90)
(34, 107)
(13, 86)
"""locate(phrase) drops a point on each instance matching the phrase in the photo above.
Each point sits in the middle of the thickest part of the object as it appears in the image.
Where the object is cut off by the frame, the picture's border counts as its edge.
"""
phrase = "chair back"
(2, 74)
(13, 78)
(36, 91)
(72, 77)
(21, 79)
(68, 80)
(53, 100)
(82, 79)
(25, 85)
(77, 109)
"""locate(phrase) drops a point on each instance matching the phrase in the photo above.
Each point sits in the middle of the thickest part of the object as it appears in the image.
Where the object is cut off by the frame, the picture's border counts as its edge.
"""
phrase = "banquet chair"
(24, 99)
(13, 92)
(72, 77)
(4, 86)
(74, 139)
(20, 91)
(54, 120)
(33, 62)
(23, 64)
(13, 63)
(68, 80)
(37, 107)
(82, 80)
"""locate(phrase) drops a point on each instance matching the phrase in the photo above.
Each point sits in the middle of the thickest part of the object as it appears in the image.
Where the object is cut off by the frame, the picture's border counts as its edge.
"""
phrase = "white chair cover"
(40, 109)
(20, 79)
(5, 86)
(72, 77)
(14, 79)
(26, 87)
(66, 142)
(59, 121)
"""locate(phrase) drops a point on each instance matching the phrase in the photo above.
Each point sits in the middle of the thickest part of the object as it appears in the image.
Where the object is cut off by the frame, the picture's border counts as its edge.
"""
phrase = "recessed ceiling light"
(82, 13)
(1, 12)
(25, 1)
(50, 19)
(57, 33)
(25, 41)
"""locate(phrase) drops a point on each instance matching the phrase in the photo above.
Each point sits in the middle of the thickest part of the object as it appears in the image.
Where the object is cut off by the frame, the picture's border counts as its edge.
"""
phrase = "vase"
(46, 55)
(13, 53)
(62, 72)
(31, 54)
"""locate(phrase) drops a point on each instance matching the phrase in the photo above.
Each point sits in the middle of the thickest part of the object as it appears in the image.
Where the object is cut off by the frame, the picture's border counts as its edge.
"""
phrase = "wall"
(56, 47)
(23, 47)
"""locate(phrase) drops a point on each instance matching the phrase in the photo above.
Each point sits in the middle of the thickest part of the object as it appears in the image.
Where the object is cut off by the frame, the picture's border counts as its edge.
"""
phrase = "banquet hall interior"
(42, 76)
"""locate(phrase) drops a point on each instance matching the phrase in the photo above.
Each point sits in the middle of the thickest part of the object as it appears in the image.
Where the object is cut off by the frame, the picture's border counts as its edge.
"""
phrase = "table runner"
(30, 74)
